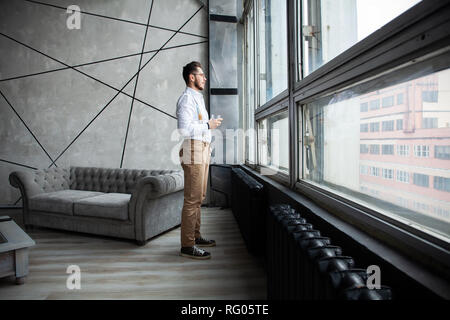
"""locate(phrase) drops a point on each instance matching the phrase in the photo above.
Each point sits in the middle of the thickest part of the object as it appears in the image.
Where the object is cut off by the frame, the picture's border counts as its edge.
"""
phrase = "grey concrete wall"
(77, 116)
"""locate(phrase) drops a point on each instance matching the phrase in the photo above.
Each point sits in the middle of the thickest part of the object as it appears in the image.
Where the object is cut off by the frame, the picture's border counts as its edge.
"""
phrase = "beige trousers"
(195, 156)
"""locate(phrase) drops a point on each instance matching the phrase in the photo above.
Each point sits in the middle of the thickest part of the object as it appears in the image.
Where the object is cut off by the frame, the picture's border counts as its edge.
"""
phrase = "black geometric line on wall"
(18, 164)
(135, 85)
(26, 126)
(87, 75)
(112, 99)
(99, 61)
(117, 19)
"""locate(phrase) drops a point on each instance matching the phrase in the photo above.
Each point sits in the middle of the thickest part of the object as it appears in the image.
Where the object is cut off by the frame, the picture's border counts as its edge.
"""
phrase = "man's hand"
(214, 123)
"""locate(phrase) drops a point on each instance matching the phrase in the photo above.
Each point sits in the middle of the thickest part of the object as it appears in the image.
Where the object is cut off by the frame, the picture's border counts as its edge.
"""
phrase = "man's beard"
(197, 85)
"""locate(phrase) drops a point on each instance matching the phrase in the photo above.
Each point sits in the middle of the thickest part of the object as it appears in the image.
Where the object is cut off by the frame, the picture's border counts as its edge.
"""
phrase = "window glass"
(273, 72)
(250, 90)
(273, 134)
(410, 164)
(329, 27)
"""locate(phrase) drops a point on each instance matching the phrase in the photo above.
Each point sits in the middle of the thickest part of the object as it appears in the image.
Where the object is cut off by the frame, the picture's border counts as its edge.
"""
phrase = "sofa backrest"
(52, 179)
(109, 179)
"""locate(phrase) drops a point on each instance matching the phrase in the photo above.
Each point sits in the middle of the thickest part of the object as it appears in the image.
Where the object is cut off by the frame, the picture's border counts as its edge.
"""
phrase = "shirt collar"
(194, 92)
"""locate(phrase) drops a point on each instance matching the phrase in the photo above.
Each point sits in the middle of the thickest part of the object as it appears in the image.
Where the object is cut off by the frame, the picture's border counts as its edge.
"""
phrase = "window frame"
(413, 39)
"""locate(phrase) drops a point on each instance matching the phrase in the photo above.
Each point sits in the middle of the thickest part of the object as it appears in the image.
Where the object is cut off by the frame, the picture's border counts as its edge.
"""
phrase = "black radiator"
(248, 208)
(303, 264)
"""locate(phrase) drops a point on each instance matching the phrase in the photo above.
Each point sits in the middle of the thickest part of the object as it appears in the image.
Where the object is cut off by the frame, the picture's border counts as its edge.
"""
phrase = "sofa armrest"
(157, 186)
(150, 193)
(25, 181)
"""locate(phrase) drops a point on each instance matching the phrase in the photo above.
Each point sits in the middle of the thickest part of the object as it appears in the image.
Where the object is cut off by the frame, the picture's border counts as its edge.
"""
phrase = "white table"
(14, 243)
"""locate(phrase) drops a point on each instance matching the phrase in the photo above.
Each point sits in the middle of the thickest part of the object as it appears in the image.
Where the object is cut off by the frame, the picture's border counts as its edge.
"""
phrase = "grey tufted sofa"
(124, 203)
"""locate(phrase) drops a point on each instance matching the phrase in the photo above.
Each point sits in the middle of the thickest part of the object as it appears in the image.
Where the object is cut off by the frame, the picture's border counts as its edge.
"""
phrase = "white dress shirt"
(192, 116)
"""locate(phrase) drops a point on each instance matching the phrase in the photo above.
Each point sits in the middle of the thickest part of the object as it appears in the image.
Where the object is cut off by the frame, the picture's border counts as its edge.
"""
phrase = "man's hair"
(190, 68)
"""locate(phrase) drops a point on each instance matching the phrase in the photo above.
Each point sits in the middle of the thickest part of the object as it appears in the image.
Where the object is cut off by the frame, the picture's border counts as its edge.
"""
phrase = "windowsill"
(413, 270)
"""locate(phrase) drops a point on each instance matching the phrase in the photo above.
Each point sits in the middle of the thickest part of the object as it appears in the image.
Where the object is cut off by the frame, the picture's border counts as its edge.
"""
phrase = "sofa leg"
(141, 242)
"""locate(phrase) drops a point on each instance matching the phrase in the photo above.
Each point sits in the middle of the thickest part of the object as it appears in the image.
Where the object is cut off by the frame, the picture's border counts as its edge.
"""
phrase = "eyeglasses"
(200, 74)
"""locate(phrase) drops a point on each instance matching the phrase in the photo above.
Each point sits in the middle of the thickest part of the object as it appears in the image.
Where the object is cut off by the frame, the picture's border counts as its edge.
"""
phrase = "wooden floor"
(117, 269)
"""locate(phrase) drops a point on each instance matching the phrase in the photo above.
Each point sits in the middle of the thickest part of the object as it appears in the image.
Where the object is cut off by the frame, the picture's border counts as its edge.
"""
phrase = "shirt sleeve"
(188, 123)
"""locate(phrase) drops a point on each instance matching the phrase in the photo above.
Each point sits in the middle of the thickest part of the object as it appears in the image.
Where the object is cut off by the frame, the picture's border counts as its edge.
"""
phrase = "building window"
(402, 176)
(374, 171)
(364, 107)
(387, 149)
(422, 151)
(421, 180)
(272, 31)
(387, 125)
(429, 123)
(364, 170)
(387, 102)
(374, 149)
(374, 104)
(403, 150)
(273, 132)
(430, 96)
(374, 126)
(363, 148)
(399, 124)
(388, 174)
(442, 152)
(364, 127)
(441, 183)
(400, 98)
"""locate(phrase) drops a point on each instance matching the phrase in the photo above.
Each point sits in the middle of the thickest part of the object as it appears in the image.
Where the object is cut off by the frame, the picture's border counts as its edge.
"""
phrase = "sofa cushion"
(107, 205)
(59, 201)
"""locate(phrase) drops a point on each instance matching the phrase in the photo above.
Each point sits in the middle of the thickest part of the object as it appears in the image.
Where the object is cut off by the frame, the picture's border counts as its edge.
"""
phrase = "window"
(387, 149)
(387, 102)
(374, 149)
(364, 127)
(331, 27)
(364, 107)
(374, 171)
(429, 123)
(400, 98)
(337, 123)
(421, 180)
(422, 151)
(442, 152)
(441, 183)
(387, 125)
(363, 169)
(402, 176)
(273, 72)
(374, 126)
(429, 96)
(250, 141)
(403, 150)
(399, 124)
(363, 148)
(272, 136)
(374, 104)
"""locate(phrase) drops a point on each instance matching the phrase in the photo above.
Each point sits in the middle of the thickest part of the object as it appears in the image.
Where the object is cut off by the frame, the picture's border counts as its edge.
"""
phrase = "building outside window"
(374, 126)
(364, 127)
(387, 102)
(374, 149)
(421, 180)
(430, 96)
(441, 183)
(399, 124)
(364, 107)
(403, 150)
(388, 174)
(387, 149)
(429, 123)
(387, 125)
(422, 151)
(442, 152)
(400, 98)
(402, 176)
